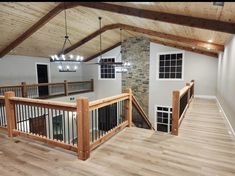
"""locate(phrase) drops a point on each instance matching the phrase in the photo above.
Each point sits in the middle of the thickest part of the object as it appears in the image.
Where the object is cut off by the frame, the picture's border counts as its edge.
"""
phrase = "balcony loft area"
(117, 88)
(203, 146)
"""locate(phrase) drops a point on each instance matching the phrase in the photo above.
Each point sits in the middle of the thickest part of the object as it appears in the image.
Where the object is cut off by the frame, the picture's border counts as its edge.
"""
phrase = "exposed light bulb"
(71, 56)
(75, 67)
(63, 57)
(81, 58)
(78, 58)
(60, 67)
(52, 57)
(67, 67)
(56, 57)
(208, 48)
(210, 41)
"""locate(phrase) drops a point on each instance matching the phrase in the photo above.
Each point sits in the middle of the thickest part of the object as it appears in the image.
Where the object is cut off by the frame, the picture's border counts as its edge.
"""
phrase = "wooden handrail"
(5, 87)
(82, 109)
(107, 101)
(43, 84)
(183, 91)
(72, 82)
(141, 111)
(1, 97)
(177, 118)
(44, 103)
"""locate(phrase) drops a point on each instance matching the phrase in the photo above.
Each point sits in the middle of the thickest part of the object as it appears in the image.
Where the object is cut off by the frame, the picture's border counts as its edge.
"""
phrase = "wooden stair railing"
(141, 112)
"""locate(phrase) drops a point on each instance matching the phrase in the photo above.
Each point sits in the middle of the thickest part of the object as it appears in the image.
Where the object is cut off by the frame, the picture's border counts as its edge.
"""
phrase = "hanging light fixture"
(65, 61)
(123, 68)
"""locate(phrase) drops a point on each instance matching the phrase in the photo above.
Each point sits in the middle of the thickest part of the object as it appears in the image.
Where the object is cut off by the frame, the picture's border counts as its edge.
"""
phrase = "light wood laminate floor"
(203, 147)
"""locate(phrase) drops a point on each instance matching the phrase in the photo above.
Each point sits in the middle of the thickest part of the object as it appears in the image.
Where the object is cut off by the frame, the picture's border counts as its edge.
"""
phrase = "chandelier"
(66, 63)
(120, 67)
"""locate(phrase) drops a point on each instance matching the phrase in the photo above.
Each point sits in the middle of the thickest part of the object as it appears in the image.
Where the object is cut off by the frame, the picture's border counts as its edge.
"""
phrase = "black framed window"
(107, 71)
(163, 118)
(170, 66)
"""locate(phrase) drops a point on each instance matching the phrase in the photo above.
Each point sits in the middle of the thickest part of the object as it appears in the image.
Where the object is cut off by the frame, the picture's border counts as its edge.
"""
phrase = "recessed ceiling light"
(210, 41)
(218, 3)
(144, 3)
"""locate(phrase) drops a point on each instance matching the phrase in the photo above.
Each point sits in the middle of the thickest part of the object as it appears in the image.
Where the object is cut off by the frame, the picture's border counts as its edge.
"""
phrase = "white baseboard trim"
(205, 96)
(229, 124)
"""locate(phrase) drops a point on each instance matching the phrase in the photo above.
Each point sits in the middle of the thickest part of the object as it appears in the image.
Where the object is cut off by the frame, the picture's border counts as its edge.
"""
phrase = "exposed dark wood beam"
(185, 48)
(202, 23)
(193, 42)
(32, 29)
(102, 52)
(45, 19)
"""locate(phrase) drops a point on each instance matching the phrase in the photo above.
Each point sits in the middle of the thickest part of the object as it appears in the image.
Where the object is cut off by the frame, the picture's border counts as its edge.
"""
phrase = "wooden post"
(175, 112)
(129, 114)
(83, 128)
(66, 93)
(24, 89)
(92, 84)
(10, 113)
(193, 88)
(188, 92)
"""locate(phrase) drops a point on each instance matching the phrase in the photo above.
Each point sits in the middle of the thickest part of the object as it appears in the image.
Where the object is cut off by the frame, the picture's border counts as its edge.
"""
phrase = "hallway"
(203, 147)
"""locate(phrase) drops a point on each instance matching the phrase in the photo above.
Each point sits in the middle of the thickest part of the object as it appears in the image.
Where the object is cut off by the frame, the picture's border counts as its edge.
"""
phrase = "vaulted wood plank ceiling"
(17, 17)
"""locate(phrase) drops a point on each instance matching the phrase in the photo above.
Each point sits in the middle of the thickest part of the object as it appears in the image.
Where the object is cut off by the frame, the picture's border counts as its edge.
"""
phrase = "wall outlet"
(72, 98)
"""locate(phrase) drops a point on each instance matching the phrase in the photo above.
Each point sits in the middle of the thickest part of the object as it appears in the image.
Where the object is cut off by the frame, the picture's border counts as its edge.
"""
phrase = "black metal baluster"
(64, 131)
(49, 122)
(72, 129)
(31, 112)
(25, 118)
(92, 118)
(68, 127)
(21, 117)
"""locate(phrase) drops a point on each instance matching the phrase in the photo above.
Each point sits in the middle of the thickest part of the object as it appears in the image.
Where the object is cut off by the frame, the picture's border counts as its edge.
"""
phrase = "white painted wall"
(226, 81)
(15, 69)
(201, 68)
(104, 88)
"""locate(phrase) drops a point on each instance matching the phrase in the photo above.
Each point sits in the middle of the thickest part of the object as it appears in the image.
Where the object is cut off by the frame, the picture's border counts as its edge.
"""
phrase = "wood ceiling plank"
(185, 48)
(209, 24)
(32, 29)
(193, 42)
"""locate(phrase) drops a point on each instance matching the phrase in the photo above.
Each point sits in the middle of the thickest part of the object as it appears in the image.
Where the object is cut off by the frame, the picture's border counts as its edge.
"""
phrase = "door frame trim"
(48, 71)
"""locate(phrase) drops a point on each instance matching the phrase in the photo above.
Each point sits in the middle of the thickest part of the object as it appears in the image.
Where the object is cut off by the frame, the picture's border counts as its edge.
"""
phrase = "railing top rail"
(143, 114)
(107, 101)
(45, 103)
(70, 82)
(183, 91)
(44, 84)
(2, 97)
(17, 86)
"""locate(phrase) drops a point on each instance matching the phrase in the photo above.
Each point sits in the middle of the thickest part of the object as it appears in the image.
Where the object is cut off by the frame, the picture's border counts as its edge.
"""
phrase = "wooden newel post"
(193, 88)
(188, 96)
(24, 89)
(83, 128)
(66, 93)
(175, 112)
(92, 84)
(129, 114)
(10, 113)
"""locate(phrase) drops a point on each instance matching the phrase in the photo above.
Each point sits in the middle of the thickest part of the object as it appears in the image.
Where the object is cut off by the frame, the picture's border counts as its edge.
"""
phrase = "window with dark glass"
(107, 71)
(170, 66)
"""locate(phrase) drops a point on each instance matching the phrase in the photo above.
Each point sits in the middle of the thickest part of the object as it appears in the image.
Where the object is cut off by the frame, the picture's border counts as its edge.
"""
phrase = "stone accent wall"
(136, 50)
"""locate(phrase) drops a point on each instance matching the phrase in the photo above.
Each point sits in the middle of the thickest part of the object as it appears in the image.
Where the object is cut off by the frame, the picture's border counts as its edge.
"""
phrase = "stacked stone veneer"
(136, 50)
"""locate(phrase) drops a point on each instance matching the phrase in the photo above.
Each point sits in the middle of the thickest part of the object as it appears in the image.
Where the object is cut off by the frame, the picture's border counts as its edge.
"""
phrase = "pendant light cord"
(100, 39)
